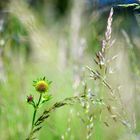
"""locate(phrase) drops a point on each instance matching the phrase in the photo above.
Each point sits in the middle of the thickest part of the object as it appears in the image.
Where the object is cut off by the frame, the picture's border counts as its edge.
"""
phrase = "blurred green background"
(58, 39)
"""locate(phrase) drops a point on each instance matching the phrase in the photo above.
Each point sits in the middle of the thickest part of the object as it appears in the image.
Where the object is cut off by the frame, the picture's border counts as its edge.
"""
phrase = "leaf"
(128, 5)
(46, 98)
(49, 82)
(106, 124)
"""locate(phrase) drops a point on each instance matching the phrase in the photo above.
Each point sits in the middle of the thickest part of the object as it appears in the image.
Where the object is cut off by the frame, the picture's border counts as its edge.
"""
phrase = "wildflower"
(41, 86)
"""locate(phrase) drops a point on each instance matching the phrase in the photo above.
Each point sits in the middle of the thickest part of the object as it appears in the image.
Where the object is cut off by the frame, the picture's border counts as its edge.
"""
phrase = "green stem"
(35, 110)
(34, 115)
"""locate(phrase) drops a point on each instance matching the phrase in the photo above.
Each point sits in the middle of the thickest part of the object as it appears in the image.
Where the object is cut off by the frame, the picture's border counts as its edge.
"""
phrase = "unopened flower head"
(30, 98)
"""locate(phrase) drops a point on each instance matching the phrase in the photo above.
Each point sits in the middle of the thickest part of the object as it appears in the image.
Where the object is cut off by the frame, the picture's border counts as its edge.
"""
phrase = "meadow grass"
(101, 117)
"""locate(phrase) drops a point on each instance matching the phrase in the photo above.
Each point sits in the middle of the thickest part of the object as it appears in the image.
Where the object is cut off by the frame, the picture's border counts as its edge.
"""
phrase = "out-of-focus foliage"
(45, 31)
(16, 33)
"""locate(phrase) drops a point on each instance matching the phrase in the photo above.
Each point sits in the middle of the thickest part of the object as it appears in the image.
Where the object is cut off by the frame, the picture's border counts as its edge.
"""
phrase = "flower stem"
(35, 110)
